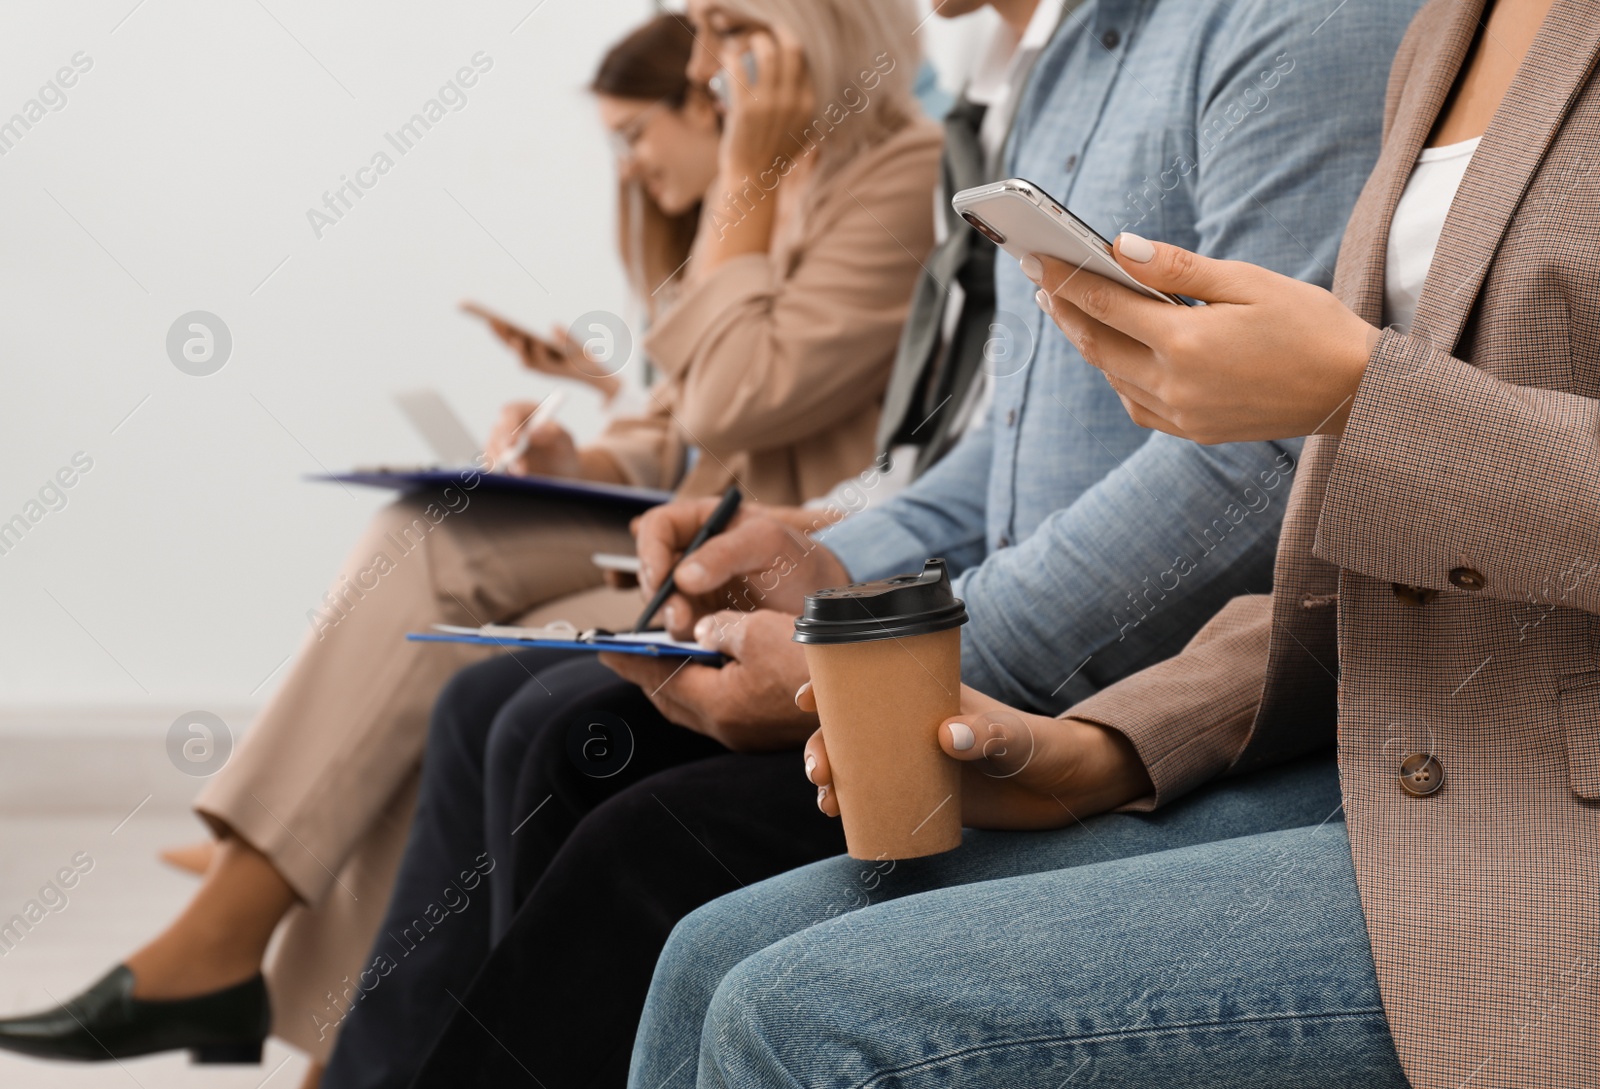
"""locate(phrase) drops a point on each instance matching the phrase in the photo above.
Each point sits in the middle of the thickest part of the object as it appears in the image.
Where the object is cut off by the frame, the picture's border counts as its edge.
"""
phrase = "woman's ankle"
(222, 935)
(170, 968)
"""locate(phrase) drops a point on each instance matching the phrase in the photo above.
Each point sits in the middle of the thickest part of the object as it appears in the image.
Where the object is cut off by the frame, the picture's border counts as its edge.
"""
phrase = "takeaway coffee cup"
(885, 661)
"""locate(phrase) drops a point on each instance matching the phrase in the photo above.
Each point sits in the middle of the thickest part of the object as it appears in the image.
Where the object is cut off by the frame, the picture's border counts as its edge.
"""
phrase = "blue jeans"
(1120, 951)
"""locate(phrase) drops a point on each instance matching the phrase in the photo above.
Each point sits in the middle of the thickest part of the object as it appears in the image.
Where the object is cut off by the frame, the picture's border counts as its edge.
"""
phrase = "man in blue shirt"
(1086, 547)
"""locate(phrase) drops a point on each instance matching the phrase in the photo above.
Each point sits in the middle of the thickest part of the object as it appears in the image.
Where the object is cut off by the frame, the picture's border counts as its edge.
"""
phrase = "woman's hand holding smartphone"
(769, 101)
(560, 356)
(722, 82)
(769, 98)
(1212, 373)
(1022, 219)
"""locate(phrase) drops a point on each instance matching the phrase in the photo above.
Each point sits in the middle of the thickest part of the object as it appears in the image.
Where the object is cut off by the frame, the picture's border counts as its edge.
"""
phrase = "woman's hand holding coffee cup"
(1019, 771)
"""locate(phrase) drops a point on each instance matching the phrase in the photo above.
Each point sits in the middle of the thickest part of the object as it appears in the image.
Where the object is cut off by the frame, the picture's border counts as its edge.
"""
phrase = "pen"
(714, 525)
(542, 415)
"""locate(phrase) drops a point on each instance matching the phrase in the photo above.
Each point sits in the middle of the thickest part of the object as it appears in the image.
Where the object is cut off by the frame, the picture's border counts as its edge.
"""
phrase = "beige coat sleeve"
(763, 356)
(1190, 716)
(648, 448)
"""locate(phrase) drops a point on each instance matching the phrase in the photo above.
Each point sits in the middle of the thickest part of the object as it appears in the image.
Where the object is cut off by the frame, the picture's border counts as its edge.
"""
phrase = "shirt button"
(1111, 38)
(1421, 774)
(1071, 164)
(1466, 578)
(1413, 595)
(1011, 417)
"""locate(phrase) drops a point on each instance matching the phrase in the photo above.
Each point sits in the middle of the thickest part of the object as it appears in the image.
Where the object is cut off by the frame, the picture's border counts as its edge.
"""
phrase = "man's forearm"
(1124, 576)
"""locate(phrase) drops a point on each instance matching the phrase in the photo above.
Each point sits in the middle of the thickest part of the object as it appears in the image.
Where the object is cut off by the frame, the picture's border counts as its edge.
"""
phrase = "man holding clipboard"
(641, 639)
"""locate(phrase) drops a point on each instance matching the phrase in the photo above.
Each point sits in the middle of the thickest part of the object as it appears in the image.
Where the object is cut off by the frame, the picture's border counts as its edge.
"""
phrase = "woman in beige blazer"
(773, 356)
(1434, 614)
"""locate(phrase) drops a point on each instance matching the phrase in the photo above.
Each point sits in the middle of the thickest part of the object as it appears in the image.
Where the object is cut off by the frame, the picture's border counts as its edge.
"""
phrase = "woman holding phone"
(1433, 613)
(664, 131)
(772, 352)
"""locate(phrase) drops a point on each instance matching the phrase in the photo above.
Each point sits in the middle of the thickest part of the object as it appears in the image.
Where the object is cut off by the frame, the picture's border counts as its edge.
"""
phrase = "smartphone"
(1021, 218)
(495, 320)
(720, 82)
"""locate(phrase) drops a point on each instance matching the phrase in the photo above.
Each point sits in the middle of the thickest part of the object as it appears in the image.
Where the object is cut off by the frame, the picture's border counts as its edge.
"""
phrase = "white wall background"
(177, 178)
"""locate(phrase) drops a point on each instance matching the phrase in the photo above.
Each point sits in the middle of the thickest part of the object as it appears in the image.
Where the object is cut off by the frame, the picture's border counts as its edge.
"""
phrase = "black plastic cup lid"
(892, 608)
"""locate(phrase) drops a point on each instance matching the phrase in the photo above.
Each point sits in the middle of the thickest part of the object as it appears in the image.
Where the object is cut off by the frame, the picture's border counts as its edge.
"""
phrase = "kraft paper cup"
(885, 662)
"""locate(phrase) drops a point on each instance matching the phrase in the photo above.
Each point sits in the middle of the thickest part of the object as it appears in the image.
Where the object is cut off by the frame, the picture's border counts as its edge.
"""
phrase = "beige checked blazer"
(1437, 590)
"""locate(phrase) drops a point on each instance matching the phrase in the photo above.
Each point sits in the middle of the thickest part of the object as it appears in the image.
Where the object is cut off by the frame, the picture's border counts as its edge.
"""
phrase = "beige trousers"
(325, 780)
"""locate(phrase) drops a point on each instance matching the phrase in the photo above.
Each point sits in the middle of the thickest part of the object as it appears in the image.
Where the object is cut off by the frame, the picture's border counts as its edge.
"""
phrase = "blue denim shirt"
(1243, 129)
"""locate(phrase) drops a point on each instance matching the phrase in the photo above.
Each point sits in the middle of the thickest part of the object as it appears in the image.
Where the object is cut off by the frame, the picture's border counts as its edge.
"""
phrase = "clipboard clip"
(556, 630)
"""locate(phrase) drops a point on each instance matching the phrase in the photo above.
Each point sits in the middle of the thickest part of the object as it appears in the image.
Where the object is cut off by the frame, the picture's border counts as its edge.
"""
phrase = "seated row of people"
(1213, 681)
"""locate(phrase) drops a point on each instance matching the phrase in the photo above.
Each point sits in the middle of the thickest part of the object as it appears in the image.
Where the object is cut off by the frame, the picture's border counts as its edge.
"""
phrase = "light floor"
(126, 897)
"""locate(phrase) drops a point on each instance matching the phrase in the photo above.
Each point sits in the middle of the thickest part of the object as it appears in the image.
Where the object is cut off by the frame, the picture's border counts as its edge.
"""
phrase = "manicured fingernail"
(1042, 297)
(961, 737)
(822, 796)
(704, 630)
(1031, 267)
(670, 615)
(1135, 248)
(811, 765)
(694, 571)
(802, 690)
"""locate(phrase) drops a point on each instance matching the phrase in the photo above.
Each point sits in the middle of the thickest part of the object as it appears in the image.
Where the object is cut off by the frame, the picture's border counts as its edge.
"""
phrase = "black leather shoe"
(107, 1022)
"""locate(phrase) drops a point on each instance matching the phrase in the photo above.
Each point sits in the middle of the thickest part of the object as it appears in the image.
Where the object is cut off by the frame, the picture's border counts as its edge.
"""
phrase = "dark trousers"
(562, 816)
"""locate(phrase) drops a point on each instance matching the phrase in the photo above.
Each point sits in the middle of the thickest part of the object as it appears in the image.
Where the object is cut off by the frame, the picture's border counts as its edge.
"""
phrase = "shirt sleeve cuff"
(872, 545)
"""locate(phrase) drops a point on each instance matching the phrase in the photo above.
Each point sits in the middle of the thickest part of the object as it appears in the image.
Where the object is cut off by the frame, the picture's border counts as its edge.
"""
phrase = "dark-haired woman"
(665, 132)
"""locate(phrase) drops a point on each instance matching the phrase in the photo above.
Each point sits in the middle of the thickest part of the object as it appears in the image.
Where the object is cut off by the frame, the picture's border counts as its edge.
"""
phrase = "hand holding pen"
(526, 439)
(715, 524)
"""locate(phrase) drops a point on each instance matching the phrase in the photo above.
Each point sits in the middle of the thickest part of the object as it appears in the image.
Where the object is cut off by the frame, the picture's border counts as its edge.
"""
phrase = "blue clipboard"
(594, 644)
(620, 496)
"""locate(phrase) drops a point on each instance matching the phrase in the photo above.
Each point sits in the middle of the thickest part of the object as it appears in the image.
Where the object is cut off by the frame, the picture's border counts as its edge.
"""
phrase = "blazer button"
(1413, 595)
(1421, 774)
(1466, 578)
